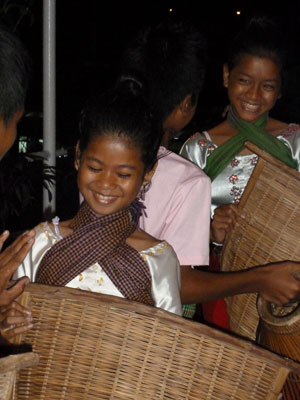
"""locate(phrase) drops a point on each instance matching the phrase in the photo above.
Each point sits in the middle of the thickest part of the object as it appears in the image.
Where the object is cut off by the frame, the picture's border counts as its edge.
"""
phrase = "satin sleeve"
(165, 272)
(44, 240)
(197, 149)
(291, 138)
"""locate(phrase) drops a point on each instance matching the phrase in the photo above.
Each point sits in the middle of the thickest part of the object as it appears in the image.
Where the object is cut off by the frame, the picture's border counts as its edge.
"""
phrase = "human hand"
(223, 221)
(14, 319)
(279, 283)
(10, 259)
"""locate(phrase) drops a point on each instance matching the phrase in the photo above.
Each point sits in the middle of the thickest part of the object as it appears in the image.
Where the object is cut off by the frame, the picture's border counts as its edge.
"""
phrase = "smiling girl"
(101, 249)
(253, 78)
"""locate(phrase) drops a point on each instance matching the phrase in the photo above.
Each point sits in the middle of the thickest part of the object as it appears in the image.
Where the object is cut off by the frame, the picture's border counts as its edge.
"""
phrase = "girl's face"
(253, 87)
(110, 174)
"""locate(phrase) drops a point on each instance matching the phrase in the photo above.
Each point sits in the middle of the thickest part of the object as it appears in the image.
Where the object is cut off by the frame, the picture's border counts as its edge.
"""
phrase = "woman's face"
(253, 87)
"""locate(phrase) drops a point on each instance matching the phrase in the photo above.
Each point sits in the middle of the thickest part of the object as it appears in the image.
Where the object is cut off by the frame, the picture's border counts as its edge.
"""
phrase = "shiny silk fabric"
(229, 186)
(161, 260)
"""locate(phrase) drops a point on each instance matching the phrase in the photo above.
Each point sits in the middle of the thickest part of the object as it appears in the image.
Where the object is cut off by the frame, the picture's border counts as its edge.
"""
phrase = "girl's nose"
(253, 92)
(106, 181)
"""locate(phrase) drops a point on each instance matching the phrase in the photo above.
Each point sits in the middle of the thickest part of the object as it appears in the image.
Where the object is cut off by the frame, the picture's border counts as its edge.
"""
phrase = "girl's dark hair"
(260, 38)
(123, 111)
(171, 57)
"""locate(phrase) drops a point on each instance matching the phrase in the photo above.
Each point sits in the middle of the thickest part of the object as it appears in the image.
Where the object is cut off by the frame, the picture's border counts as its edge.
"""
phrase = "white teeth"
(251, 106)
(104, 199)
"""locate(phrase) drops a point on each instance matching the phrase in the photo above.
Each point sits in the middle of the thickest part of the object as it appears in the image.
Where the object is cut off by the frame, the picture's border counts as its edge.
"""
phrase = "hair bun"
(131, 83)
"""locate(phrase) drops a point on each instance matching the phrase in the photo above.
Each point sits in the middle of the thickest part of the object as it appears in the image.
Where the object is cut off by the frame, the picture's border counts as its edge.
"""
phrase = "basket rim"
(267, 157)
(173, 320)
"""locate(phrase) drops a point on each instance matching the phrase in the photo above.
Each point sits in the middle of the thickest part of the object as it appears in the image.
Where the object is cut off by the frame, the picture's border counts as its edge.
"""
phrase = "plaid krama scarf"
(103, 240)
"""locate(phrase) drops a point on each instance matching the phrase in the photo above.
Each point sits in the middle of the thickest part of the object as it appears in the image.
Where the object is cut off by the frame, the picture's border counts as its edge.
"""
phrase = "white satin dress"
(161, 259)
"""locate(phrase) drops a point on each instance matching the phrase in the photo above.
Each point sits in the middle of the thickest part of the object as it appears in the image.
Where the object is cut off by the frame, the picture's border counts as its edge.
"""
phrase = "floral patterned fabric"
(229, 186)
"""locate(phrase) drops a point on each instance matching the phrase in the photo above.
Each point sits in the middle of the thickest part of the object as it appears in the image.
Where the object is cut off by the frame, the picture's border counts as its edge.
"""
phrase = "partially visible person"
(171, 57)
(101, 249)
(14, 73)
(253, 76)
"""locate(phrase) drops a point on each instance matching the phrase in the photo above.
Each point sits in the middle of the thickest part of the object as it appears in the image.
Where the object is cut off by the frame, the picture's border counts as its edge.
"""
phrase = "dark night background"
(90, 36)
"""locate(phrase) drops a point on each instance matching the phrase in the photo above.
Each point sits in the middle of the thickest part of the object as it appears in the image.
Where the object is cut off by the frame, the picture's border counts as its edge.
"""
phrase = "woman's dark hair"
(260, 38)
(123, 111)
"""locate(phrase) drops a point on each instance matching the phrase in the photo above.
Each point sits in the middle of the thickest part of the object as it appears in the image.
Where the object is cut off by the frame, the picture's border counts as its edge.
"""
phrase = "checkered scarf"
(103, 240)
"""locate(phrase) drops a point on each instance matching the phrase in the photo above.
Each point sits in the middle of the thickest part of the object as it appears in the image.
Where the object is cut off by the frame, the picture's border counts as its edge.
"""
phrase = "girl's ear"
(225, 75)
(149, 174)
(77, 157)
(187, 105)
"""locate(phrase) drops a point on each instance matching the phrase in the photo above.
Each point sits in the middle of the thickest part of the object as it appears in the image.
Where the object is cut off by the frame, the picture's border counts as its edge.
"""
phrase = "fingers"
(226, 212)
(10, 259)
(11, 293)
(3, 237)
(15, 319)
(16, 252)
(223, 222)
(280, 285)
(13, 330)
(8, 295)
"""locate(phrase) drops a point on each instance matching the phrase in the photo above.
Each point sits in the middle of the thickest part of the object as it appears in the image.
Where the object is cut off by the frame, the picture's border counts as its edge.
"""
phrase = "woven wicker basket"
(9, 366)
(267, 230)
(95, 346)
(280, 332)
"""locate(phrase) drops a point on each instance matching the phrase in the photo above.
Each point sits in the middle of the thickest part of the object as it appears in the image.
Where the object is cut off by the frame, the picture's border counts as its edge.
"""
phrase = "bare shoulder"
(275, 127)
(140, 240)
(221, 133)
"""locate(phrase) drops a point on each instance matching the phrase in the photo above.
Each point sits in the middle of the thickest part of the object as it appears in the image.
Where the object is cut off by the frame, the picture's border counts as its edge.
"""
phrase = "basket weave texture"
(94, 346)
(9, 366)
(281, 334)
(267, 230)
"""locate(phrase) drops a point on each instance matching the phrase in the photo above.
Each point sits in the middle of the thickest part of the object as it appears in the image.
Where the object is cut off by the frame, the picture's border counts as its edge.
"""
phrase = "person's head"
(253, 72)
(14, 74)
(171, 57)
(117, 150)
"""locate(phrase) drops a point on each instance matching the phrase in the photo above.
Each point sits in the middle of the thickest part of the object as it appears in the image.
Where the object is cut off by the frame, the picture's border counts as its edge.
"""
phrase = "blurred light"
(238, 13)
(170, 9)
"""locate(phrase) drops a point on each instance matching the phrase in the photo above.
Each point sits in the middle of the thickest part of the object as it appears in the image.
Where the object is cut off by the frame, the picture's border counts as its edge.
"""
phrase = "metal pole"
(49, 116)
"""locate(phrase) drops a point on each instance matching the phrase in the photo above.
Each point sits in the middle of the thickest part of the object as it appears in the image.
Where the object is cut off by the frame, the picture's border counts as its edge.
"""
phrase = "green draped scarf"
(254, 133)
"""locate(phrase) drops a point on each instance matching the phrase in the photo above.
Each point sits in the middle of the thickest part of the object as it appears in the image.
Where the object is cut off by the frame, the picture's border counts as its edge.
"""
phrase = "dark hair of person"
(170, 56)
(15, 65)
(260, 38)
(123, 111)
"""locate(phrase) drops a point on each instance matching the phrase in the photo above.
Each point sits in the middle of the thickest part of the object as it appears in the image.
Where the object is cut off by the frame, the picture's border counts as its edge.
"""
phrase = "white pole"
(49, 120)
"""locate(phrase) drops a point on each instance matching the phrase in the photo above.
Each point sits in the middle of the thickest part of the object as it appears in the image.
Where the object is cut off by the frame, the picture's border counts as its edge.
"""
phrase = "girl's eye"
(269, 87)
(243, 81)
(124, 176)
(93, 169)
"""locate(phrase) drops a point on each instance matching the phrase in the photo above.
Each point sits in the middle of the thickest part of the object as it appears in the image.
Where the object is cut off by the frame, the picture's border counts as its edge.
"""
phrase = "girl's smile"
(110, 173)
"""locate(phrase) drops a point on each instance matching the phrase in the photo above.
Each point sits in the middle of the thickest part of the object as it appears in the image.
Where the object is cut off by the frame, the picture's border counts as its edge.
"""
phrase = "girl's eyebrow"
(265, 80)
(118, 166)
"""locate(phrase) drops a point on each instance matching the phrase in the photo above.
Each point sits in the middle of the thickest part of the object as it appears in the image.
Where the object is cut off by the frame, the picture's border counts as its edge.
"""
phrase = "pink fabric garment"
(178, 208)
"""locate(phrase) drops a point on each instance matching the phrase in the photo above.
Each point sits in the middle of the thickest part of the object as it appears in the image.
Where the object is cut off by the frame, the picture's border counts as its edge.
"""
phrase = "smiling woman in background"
(253, 77)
